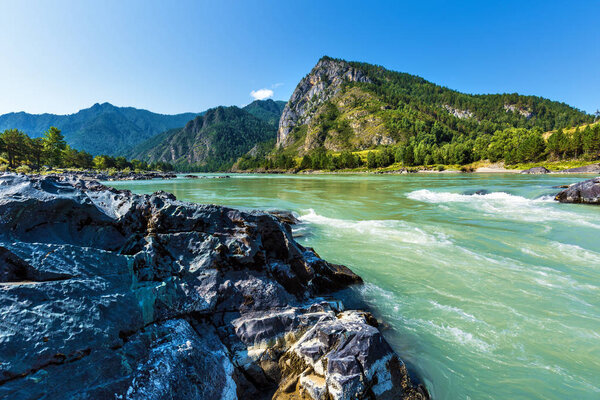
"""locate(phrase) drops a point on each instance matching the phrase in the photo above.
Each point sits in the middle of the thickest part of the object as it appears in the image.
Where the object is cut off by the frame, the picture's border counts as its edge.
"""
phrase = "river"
(488, 295)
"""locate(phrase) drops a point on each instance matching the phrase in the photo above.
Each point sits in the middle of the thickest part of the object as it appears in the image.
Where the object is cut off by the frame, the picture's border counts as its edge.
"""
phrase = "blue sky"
(176, 56)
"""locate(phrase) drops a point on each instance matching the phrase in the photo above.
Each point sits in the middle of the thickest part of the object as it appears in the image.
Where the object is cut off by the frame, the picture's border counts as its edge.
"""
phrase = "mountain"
(100, 129)
(267, 110)
(215, 140)
(344, 105)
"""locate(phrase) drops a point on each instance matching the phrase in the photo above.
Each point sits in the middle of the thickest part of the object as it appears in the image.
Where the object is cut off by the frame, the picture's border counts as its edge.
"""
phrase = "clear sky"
(177, 56)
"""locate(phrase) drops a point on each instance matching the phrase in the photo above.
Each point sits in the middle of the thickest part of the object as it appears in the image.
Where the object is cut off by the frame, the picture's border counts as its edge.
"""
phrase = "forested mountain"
(100, 129)
(267, 110)
(345, 106)
(349, 105)
(212, 141)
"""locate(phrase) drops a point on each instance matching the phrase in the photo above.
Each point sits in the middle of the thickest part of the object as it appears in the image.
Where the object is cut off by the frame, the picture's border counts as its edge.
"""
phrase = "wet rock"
(536, 170)
(107, 294)
(284, 216)
(586, 192)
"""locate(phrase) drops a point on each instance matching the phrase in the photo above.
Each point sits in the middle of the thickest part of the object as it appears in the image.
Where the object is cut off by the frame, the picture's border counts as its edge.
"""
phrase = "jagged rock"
(458, 113)
(106, 294)
(117, 176)
(587, 192)
(321, 84)
(285, 216)
(536, 170)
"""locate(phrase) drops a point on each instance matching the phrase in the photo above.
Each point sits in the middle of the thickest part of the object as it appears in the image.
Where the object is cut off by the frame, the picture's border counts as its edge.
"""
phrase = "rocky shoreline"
(106, 294)
(117, 176)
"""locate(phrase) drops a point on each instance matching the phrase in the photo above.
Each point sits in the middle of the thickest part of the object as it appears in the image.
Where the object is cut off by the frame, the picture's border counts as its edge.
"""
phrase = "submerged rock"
(536, 171)
(587, 192)
(106, 294)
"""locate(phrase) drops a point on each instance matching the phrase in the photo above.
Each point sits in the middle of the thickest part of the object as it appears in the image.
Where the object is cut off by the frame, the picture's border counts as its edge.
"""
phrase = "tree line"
(22, 152)
(513, 145)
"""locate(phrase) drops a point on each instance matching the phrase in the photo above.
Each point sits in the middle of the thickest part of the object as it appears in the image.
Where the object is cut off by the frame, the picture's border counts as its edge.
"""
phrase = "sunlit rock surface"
(105, 294)
(586, 192)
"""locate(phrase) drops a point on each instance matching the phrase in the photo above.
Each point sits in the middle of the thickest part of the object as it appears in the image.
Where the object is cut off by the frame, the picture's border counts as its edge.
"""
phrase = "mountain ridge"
(214, 140)
(100, 129)
(348, 105)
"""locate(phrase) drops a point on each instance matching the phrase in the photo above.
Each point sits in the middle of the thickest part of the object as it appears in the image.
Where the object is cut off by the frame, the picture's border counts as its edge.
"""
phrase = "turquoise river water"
(493, 295)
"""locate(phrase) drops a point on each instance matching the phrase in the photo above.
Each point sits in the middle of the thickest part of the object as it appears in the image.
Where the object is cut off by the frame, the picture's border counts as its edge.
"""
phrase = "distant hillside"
(100, 129)
(267, 110)
(214, 140)
(343, 105)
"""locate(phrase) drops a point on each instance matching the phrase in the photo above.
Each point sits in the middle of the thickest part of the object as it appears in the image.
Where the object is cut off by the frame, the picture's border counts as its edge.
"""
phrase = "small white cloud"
(276, 85)
(261, 94)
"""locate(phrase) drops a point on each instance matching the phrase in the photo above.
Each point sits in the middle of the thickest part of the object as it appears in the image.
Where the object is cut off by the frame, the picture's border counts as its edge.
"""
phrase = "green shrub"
(23, 169)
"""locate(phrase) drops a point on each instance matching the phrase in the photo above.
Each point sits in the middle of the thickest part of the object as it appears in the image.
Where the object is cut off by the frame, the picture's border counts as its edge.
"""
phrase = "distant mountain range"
(100, 129)
(215, 140)
(338, 106)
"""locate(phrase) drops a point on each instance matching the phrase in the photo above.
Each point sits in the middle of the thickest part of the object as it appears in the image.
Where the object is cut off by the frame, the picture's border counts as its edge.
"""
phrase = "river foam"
(394, 230)
(505, 205)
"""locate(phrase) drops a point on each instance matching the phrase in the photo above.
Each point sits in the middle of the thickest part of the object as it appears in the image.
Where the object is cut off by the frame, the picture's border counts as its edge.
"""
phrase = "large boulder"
(586, 192)
(105, 294)
(536, 170)
(586, 169)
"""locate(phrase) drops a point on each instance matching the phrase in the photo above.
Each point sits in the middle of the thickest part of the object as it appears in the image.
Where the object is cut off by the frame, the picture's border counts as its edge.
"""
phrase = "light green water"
(493, 296)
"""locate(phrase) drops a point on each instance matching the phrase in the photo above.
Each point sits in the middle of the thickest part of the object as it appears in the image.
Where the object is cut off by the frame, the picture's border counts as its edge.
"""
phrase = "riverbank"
(104, 175)
(462, 269)
(483, 167)
(107, 293)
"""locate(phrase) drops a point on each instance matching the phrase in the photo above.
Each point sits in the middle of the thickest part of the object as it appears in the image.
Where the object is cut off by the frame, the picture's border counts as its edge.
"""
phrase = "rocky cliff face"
(105, 294)
(320, 85)
(215, 139)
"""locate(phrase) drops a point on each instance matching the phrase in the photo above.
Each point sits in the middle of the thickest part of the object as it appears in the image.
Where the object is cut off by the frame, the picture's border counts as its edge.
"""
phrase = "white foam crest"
(456, 335)
(579, 253)
(506, 205)
(390, 229)
(463, 314)
(429, 196)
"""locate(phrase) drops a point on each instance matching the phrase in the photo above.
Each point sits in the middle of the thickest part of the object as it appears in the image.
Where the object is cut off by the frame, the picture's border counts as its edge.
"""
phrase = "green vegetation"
(514, 146)
(404, 120)
(23, 154)
(100, 129)
(213, 141)
(266, 110)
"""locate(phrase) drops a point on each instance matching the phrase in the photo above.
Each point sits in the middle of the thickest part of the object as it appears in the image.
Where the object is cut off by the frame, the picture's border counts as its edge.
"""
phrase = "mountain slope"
(209, 142)
(343, 105)
(267, 110)
(100, 129)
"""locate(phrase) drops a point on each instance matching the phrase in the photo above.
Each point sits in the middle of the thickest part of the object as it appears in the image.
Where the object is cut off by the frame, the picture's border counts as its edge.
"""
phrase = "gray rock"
(536, 170)
(284, 216)
(587, 169)
(106, 294)
(586, 192)
(320, 85)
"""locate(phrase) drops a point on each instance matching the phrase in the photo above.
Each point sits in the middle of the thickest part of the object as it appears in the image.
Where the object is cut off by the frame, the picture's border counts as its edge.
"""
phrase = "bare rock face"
(105, 294)
(586, 192)
(321, 84)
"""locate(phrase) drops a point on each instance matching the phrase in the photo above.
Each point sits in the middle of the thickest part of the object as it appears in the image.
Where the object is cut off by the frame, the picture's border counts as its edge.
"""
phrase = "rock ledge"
(105, 294)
